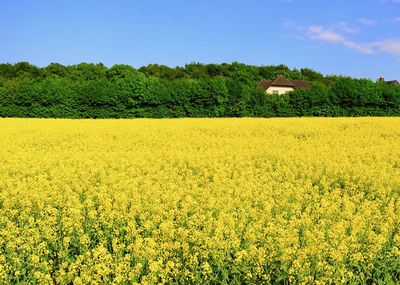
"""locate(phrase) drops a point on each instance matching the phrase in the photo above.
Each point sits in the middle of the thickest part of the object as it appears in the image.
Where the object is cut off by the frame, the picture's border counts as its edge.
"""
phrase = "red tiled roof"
(282, 82)
(264, 84)
(300, 84)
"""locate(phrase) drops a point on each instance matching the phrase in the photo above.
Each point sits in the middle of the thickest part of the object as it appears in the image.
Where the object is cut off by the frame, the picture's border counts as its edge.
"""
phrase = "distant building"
(281, 85)
(391, 82)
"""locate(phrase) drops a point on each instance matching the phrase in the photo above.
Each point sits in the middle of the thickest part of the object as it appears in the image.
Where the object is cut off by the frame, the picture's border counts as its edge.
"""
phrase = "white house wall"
(281, 90)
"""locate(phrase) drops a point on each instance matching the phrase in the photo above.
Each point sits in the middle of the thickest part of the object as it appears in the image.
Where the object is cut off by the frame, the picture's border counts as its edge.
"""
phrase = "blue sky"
(359, 38)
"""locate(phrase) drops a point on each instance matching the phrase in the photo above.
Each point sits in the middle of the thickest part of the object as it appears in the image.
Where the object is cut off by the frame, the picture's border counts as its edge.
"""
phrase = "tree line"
(89, 90)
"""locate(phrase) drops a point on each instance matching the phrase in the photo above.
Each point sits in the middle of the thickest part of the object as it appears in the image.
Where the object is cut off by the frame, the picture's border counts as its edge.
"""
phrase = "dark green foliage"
(27, 70)
(7, 71)
(162, 71)
(55, 70)
(310, 102)
(311, 75)
(90, 90)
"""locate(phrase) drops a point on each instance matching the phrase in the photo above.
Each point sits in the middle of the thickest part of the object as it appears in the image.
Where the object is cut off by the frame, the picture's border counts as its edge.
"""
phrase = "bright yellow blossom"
(200, 201)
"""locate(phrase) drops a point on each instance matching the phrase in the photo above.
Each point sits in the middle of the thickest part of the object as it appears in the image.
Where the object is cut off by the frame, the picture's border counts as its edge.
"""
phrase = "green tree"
(56, 70)
(313, 101)
(87, 71)
(27, 70)
(7, 71)
(311, 75)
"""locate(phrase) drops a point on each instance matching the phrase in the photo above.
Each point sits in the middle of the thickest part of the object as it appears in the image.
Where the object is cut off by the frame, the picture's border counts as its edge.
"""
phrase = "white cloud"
(340, 34)
(346, 27)
(323, 34)
(396, 20)
(360, 47)
(366, 22)
(287, 24)
(390, 46)
(386, 46)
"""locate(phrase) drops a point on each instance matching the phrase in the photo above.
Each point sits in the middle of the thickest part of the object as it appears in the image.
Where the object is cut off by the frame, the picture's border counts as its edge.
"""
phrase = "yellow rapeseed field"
(200, 201)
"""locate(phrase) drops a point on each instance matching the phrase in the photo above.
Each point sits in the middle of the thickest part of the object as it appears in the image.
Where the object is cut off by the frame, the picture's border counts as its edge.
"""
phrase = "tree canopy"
(88, 90)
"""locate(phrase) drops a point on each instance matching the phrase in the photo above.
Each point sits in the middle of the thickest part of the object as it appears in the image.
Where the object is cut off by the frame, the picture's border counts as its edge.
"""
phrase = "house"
(391, 82)
(281, 85)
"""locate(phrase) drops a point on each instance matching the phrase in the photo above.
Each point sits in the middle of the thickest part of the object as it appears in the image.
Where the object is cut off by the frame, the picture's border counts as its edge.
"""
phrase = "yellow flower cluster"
(200, 201)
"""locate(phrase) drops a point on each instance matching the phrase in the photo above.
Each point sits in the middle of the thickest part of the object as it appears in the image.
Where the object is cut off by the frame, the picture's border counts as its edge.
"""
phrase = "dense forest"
(196, 90)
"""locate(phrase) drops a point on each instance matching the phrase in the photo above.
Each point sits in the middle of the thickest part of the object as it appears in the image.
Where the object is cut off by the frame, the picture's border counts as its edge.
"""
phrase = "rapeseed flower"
(200, 201)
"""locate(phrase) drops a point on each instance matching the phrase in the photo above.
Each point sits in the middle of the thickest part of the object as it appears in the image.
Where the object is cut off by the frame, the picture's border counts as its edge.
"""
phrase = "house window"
(275, 92)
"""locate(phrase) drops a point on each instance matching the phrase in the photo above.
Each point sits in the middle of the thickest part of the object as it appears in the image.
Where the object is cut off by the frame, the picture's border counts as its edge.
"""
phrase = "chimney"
(381, 79)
